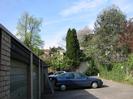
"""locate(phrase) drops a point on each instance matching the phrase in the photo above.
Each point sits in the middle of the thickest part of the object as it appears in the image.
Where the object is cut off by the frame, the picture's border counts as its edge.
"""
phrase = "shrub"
(92, 69)
(120, 72)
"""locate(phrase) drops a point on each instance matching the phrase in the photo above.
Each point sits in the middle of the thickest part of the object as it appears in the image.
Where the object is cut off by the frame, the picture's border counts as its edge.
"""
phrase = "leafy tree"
(55, 49)
(28, 29)
(72, 47)
(108, 26)
(84, 35)
(56, 59)
(126, 38)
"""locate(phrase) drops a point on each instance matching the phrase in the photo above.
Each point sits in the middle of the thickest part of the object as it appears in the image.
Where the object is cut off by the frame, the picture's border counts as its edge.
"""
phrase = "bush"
(92, 69)
(120, 71)
(117, 73)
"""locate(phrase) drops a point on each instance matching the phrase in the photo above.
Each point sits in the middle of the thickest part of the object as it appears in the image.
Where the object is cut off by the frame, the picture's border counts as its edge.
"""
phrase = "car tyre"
(94, 85)
(62, 87)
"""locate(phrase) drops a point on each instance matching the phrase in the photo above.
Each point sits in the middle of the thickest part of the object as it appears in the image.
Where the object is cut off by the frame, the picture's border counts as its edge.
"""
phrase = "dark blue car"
(76, 80)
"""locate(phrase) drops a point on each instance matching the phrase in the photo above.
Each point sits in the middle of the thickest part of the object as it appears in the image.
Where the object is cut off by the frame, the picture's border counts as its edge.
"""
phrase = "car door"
(80, 80)
(69, 79)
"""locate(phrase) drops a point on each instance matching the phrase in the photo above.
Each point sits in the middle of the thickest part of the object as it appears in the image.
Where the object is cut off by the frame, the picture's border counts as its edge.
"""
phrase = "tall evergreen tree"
(72, 47)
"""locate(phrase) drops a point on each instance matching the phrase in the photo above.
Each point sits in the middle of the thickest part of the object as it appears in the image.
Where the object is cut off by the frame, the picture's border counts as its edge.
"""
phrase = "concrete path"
(83, 67)
(111, 90)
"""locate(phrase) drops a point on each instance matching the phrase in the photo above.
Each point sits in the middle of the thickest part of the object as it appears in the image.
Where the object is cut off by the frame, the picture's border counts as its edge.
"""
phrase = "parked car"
(76, 80)
(51, 76)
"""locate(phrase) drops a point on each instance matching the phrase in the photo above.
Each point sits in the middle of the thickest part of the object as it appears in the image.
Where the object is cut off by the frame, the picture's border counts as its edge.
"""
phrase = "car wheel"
(94, 85)
(63, 87)
(50, 79)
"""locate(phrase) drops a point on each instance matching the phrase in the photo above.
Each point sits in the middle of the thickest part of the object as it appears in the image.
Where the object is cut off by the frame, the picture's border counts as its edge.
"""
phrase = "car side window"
(70, 76)
(62, 76)
(79, 76)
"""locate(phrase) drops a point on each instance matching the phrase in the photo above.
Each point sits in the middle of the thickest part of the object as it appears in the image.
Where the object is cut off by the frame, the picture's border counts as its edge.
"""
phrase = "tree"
(108, 26)
(55, 49)
(72, 47)
(126, 38)
(28, 29)
(55, 58)
(84, 35)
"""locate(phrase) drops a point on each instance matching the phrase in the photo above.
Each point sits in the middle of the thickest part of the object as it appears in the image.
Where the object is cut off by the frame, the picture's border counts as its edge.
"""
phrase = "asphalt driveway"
(111, 90)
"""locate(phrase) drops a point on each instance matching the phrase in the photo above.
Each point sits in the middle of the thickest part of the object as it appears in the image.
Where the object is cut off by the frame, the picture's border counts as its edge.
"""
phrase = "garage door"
(18, 76)
(35, 82)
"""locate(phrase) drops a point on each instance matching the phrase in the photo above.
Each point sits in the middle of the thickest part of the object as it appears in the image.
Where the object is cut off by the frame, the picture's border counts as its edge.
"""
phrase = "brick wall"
(5, 41)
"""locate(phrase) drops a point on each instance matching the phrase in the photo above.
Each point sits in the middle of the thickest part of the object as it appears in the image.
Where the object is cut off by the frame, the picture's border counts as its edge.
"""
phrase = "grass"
(128, 79)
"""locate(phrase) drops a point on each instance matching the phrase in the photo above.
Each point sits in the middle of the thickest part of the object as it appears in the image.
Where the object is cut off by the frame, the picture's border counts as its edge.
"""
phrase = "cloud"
(80, 6)
(50, 44)
(57, 21)
(57, 39)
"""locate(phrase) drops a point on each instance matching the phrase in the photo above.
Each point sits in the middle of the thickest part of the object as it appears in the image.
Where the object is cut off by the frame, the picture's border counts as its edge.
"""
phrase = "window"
(79, 76)
(69, 76)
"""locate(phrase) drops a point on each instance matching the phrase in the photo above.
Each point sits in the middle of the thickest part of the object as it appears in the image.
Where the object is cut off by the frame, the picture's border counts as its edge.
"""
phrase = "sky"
(58, 15)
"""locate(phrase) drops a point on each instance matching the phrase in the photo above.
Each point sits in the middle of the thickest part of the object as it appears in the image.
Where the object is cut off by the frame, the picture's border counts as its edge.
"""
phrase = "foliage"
(92, 69)
(55, 49)
(116, 33)
(66, 65)
(57, 59)
(117, 73)
(111, 46)
(126, 38)
(109, 24)
(28, 29)
(59, 62)
(121, 71)
(72, 47)
(129, 65)
(84, 35)
(83, 56)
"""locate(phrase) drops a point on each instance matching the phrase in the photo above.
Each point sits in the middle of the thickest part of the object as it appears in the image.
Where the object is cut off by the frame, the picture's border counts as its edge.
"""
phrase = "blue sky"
(58, 15)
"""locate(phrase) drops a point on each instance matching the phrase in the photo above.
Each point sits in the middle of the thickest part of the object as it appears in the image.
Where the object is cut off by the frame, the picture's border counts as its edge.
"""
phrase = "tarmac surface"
(110, 90)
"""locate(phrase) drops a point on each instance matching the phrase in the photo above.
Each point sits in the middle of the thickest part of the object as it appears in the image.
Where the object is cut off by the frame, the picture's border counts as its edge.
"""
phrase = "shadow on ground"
(71, 94)
(104, 86)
